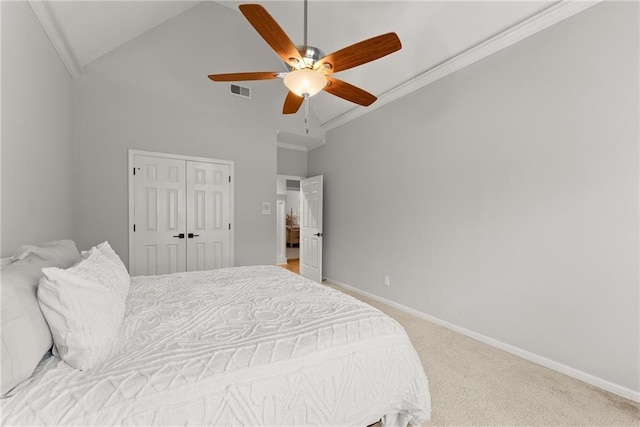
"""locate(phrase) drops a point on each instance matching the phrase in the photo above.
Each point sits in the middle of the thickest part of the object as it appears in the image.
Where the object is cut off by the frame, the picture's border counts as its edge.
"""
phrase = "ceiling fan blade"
(271, 32)
(349, 92)
(237, 77)
(361, 52)
(292, 103)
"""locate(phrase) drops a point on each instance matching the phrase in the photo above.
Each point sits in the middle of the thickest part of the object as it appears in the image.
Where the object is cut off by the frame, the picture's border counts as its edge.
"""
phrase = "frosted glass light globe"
(305, 81)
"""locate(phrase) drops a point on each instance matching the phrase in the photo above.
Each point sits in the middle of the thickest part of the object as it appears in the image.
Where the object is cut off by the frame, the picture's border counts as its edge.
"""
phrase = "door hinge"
(229, 226)
(134, 228)
(229, 178)
(134, 171)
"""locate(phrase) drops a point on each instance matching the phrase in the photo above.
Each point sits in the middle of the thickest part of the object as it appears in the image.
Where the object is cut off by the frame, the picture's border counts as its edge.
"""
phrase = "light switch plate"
(266, 208)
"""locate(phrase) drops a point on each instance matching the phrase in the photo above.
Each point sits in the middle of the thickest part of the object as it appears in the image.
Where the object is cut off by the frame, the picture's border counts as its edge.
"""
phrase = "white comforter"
(237, 346)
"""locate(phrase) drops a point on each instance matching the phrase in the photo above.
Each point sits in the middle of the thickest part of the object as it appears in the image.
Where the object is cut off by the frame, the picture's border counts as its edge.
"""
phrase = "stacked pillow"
(59, 253)
(25, 333)
(84, 305)
(51, 295)
(123, 279)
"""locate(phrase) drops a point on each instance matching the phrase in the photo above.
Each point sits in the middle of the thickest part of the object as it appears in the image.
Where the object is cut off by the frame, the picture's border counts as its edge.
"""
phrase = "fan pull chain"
(306, 111)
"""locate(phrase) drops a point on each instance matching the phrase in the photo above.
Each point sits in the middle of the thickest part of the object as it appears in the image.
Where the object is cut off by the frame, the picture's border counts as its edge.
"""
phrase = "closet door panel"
(159, 216)
(208, 215)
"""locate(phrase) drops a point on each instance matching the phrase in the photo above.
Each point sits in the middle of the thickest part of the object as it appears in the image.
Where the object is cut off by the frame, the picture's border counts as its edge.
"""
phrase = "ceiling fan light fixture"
(305, 82)
(310, 69)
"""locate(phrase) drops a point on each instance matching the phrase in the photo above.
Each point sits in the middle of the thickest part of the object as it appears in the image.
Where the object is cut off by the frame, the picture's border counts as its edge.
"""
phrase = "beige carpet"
(472, 383)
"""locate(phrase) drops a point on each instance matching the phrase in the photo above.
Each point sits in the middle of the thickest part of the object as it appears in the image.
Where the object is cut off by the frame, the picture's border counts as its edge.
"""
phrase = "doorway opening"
(288, 213)
(307, 235)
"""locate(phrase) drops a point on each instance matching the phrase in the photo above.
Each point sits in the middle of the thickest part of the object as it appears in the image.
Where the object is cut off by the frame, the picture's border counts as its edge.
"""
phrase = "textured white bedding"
(236, 346)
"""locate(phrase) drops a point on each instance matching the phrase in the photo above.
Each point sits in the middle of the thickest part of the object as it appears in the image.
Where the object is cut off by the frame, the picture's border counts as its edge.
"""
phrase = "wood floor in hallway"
(292, 265)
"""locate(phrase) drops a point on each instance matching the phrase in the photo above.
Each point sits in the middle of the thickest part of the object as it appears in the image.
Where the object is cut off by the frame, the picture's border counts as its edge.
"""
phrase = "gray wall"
(292, 162)
(504, 198)
(153, 94)
(36, 133)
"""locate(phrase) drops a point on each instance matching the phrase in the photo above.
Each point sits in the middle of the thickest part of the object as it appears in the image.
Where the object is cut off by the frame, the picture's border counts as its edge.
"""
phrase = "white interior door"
(159, 216)
(208, 222)
(311, 228)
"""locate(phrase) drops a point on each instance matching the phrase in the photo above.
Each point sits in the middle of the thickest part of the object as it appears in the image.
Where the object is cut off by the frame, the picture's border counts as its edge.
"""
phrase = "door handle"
(180, 236)
(191, 235)
(318, 234)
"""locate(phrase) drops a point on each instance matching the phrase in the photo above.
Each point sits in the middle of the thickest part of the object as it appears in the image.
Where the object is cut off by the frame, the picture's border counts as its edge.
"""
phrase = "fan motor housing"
(310, 55)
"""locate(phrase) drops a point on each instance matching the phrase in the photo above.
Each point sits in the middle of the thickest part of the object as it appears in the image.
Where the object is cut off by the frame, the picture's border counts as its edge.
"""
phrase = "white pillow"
(107, 251)
(25, 334)
(121, 270)
(58, 253)
(5, 262)
(84, 307)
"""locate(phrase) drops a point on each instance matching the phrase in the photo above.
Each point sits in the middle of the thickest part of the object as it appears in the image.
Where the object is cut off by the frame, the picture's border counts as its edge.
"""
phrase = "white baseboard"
(625, 392)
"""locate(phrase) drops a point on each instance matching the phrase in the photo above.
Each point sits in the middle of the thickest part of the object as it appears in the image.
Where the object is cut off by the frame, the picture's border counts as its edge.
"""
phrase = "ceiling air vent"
(245, 92)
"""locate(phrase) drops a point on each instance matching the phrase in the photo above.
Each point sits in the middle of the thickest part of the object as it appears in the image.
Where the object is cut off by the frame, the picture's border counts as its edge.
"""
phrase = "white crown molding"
(614, 388)
(314, 146)
(51, 25)
(548, 17)
(292, 146)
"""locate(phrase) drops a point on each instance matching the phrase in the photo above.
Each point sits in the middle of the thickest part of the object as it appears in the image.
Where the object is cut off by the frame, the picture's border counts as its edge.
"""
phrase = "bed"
(236, 346)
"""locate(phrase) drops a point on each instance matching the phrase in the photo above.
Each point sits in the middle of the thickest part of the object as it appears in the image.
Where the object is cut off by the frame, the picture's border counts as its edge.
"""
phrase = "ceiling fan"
(311, 70)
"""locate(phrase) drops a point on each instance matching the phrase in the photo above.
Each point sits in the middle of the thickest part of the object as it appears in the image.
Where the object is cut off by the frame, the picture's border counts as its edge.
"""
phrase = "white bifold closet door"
(181, 215)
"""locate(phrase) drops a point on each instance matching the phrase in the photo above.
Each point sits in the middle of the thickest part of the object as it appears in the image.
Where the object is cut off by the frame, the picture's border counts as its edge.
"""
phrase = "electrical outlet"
(386, 281)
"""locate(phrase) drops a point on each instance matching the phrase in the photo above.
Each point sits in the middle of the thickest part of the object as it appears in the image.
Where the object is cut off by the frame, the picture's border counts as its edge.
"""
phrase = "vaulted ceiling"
(438, 37)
